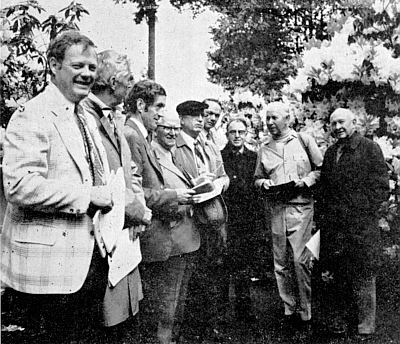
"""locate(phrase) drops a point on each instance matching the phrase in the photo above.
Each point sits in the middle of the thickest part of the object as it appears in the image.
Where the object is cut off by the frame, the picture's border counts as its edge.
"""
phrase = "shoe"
(364, 337)
(305, 326)
(289, 323)
(338, 329)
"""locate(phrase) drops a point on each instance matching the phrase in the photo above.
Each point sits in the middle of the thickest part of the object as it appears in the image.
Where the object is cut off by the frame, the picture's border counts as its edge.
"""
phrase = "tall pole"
(152, 44)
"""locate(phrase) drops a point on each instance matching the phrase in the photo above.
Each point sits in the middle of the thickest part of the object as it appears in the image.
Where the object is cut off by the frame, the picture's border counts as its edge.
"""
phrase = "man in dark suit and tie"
(54, 171)
(145, 104)
(114, 80)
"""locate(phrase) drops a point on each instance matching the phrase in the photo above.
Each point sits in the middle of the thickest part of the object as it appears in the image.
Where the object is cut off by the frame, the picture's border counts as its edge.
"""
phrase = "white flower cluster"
(339, 61)
(246, 96)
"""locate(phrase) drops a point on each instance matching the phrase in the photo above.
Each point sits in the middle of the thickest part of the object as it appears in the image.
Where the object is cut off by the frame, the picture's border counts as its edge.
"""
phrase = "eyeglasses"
(170, 129)
(234, 132)
(210, 113)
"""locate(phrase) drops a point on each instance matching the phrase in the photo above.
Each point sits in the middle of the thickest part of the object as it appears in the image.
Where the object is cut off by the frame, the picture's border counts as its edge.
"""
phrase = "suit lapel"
(109, 131)
(186, 155)
(149, 152)
(73, 141)
(166, 163)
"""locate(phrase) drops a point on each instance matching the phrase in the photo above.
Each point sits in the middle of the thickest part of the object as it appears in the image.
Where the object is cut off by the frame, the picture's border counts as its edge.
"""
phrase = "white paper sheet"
(314, 244)
(125, 258)
(111, 224)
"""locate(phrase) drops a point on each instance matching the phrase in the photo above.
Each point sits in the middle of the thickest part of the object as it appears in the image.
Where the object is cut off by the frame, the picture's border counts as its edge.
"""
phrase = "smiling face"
(343, 123)
(236, 134)
(75, 74)
(166, 136)
(153, 112)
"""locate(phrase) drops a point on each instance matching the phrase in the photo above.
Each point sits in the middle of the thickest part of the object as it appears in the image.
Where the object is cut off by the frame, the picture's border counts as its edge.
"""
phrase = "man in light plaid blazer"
(48, 244)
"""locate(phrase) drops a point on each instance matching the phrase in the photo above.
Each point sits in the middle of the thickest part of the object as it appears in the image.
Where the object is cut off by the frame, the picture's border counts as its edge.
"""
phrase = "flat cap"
(191, 108)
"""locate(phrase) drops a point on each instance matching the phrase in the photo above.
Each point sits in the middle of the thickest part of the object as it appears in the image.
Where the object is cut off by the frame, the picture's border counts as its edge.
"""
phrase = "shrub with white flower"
(357, 68)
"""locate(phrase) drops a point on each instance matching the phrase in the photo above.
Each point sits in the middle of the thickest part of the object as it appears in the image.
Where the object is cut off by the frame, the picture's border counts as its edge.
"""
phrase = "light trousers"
(291, 226)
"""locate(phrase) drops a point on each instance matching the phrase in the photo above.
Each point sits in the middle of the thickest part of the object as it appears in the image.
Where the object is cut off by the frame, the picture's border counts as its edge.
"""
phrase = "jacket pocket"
(35, 233)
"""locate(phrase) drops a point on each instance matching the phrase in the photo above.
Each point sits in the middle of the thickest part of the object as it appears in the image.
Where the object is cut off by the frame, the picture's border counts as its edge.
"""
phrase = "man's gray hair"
(110, 64)
(345, 112)
(281, 108)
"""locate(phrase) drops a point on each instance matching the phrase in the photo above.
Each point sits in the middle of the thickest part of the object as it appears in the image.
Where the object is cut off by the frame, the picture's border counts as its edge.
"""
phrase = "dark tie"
(96, 167)
(111, 119)
(197, 151)
(339, 152)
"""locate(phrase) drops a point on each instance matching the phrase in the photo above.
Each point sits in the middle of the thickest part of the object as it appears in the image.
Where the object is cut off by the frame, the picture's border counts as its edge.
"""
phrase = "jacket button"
(92, 233)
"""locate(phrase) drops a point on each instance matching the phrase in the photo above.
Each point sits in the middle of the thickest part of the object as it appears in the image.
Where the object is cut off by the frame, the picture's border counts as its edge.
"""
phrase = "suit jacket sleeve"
(376, 183)
(27, 169)
(316, 156)
(156, 200)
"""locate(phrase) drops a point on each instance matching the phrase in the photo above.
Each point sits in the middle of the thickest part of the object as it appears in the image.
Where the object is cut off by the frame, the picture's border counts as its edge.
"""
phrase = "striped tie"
(96, 167)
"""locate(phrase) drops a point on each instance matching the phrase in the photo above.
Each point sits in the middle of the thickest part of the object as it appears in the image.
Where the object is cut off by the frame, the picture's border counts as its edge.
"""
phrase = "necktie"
(96, 167)
(210, 136)
(339, 152)
(198, 152)
(111, 120)
(200, 161)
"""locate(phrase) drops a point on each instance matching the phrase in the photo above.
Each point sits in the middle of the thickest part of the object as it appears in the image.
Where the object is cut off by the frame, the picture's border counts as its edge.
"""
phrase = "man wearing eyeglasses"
(243, 208)
(175, 275)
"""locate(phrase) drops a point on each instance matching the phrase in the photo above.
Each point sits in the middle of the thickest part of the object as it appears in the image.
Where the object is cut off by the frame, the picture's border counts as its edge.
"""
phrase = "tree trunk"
(152, 45)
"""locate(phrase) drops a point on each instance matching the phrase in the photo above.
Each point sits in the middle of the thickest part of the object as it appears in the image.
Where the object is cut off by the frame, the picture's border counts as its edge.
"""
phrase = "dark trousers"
(164, 288)
(208, 293)
(67, 317)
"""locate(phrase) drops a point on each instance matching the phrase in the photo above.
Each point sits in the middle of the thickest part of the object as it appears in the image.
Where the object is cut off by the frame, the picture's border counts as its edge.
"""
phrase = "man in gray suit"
(185, 234)
(113, 81)
(145, 104)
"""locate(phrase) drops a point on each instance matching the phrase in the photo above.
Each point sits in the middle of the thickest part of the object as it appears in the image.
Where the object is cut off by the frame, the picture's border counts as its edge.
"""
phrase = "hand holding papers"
(281, 192)
(216, 190)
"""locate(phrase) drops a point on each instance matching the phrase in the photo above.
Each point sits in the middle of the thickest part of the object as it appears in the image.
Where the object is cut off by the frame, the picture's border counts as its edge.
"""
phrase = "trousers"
(291, 226)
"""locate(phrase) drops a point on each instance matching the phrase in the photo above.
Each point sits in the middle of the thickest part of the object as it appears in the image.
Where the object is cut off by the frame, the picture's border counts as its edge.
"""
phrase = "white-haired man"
(354, 183)
(289, 156)
(113, 81)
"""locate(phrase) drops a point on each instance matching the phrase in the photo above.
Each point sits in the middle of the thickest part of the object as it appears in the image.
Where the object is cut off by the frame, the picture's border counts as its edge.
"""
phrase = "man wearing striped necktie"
(49, 254)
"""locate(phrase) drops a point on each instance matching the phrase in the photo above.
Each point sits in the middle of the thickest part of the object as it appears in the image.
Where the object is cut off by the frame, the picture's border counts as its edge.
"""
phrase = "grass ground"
(266, 330)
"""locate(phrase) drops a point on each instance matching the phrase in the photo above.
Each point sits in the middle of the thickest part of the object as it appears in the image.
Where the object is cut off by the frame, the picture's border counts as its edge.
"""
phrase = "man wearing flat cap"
(185, 236)
(202, 161)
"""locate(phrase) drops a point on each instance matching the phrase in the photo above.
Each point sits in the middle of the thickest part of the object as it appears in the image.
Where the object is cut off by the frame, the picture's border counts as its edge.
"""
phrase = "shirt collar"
(98, 101)
(141, 127)
(188, 139)
(353, 140)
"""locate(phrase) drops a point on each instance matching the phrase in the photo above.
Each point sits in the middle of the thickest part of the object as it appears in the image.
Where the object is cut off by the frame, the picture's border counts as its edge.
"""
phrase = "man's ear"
(140, 105)
(113, 82)
(54, 65)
